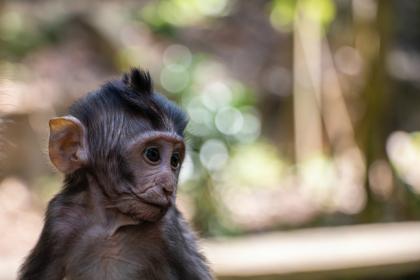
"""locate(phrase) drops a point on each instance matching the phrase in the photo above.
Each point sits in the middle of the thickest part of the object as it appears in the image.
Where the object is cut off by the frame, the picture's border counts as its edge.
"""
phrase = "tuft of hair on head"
(135, 89)
(139, 80)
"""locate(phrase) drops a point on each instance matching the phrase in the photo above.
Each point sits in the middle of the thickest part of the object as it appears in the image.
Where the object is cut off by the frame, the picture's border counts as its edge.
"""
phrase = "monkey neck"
(110, 218)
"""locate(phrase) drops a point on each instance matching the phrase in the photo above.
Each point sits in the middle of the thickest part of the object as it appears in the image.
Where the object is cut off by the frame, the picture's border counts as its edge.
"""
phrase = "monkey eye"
(152, 154)
(175, 160)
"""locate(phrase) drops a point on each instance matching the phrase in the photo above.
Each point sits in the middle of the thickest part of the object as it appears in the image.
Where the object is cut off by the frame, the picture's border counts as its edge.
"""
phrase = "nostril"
(168, 189)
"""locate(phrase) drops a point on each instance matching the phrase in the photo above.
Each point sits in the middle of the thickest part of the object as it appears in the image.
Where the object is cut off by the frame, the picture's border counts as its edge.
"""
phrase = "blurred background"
(304, 138)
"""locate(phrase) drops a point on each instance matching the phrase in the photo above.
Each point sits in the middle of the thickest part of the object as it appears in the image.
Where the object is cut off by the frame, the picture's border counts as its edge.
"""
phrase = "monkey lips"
(150, 205)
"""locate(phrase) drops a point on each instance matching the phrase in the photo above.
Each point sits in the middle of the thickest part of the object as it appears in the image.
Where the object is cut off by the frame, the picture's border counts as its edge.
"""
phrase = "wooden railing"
(351, 252)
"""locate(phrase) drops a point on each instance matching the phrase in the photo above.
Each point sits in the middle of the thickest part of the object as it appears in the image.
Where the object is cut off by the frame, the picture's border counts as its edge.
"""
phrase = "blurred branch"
(307, 85)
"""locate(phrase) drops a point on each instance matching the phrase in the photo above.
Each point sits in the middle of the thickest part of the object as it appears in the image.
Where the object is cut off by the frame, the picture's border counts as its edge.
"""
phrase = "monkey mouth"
(153, 199)
(163, 205)
(149, 211)
(145, 207)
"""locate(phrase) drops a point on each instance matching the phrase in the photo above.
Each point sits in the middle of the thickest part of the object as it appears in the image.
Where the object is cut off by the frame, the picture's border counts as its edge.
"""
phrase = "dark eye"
(152, 154)
(175, 160)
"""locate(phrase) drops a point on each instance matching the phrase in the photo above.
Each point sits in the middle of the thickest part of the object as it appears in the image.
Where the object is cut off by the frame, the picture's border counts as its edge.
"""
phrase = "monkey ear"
(67, 145)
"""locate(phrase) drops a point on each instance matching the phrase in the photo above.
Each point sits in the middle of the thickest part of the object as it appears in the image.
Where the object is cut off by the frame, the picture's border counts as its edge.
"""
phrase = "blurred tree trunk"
(307, 86)
(377, 96)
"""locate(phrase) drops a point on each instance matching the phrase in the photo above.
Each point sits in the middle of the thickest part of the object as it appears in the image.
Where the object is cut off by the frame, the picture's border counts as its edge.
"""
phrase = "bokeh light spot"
(216, 95)
(174, 79)
(177, 56)
(229, 120)
(214, 154)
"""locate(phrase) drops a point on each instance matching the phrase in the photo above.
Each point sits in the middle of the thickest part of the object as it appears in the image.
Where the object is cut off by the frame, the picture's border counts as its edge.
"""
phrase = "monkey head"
(129, 140)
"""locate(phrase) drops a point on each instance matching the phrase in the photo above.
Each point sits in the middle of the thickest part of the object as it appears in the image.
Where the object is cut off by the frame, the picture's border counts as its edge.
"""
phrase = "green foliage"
(165, 15)
(222, 114)
(322, 11)
(254, 165)
(17, 35)
(283, 12)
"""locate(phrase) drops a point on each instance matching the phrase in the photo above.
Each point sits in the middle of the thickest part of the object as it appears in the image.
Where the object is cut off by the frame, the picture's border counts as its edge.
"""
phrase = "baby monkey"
(121, 149)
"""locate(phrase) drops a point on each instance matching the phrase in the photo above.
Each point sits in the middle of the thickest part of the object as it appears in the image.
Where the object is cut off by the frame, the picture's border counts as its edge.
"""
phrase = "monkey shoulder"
(65, 215)
(62, 220)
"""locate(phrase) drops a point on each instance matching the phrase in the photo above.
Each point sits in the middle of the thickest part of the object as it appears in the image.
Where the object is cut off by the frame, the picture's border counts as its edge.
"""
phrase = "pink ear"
(67, 145)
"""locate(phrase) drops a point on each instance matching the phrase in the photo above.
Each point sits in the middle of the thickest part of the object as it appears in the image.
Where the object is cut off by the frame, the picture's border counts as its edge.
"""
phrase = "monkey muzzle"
(156, 196)
(150, 205)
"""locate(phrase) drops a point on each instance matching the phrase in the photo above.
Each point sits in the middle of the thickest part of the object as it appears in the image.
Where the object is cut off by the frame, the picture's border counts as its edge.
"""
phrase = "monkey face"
(155, 160)
(127, 139)
(139, 178)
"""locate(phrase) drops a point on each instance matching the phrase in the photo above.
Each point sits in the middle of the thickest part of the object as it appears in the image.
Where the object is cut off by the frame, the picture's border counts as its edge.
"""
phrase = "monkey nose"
(166, 184)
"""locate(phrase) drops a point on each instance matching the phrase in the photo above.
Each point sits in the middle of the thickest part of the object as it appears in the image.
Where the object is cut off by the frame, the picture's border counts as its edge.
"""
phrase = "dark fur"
(165, 249)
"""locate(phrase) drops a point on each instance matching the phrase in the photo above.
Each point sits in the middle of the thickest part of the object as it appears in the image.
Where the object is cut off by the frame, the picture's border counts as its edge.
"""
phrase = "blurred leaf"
(322, 11)
(283, 12)
(162, 15)
(254, 166)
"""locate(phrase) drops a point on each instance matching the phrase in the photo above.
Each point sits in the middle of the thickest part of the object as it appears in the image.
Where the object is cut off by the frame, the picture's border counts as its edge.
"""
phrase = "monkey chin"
(143, 211)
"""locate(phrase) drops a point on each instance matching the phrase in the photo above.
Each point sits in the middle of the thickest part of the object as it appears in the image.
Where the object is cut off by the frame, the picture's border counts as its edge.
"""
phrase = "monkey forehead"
(150, 136)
